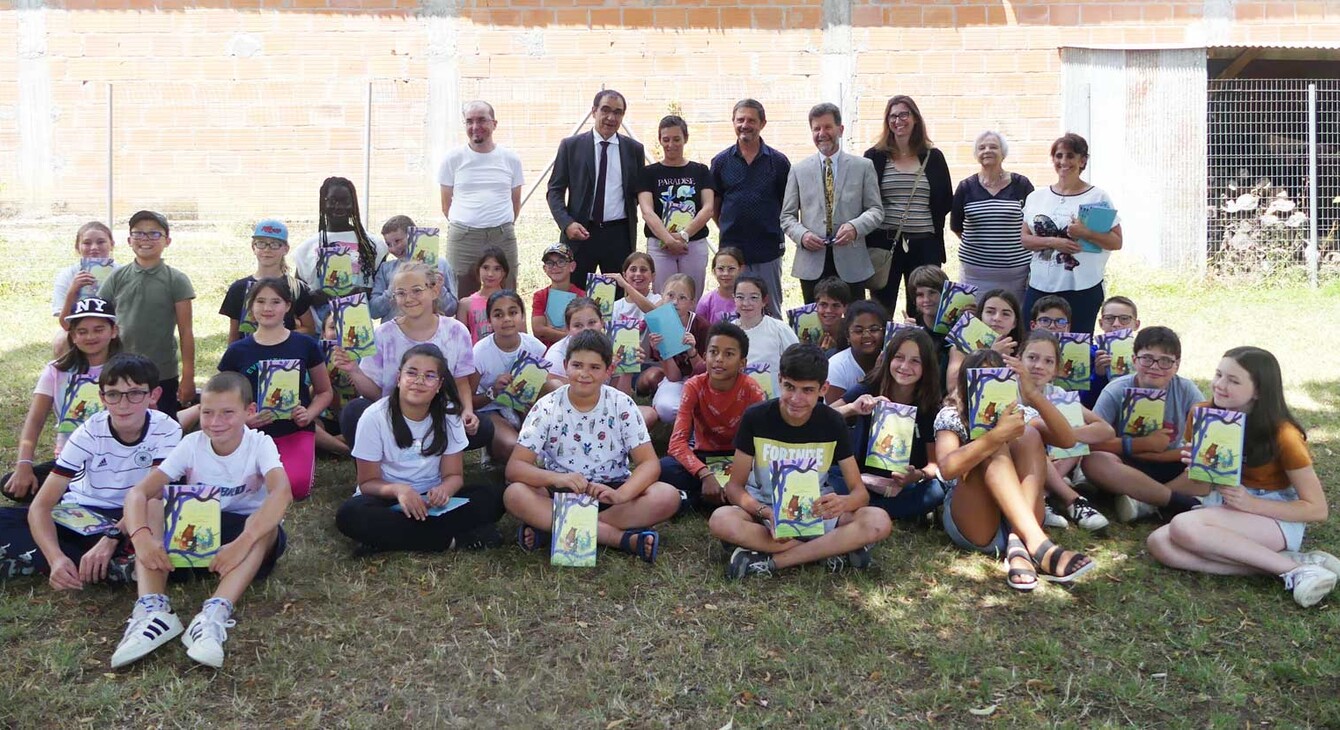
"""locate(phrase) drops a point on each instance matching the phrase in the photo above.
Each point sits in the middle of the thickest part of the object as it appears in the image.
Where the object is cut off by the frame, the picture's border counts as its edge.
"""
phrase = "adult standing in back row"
(481, 196)
(917, 192)
(593, 190)
(749, 178)
(987, 211)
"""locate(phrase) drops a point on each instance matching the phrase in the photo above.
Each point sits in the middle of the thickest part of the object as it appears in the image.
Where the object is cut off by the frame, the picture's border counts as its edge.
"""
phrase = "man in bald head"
(481, 196)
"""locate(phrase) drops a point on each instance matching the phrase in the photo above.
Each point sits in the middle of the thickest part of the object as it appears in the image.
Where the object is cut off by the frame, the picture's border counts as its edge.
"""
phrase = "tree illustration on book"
(955, 299)
(83, 521)
(805, 323)
(1120, 347)
(763, 374)
(1142, 411)
(990, 391)
(353, 323)
(191, 524)
(277, 383)
(1216, 446)
(892, 429)
(100, 269)
(1076, 365)
(795, 489)
(335, 269)
(1067, 402)
(601, 289)
(970, 334)
(626, 336)
(423, 245)
(528, 376)
(80, 400)
(246, 322)
(573, 537)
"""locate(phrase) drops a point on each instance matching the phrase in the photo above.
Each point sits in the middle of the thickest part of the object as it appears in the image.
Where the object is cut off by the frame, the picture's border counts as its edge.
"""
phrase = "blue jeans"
(913, 502)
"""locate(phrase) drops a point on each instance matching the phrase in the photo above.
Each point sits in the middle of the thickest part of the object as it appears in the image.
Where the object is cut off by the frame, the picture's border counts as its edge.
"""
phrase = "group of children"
(743, 394)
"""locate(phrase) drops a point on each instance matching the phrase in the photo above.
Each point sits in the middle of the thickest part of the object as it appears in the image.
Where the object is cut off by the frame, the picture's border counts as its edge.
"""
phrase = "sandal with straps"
(633, 542)
(1015, 550)
(538, 538)
(1055, 572)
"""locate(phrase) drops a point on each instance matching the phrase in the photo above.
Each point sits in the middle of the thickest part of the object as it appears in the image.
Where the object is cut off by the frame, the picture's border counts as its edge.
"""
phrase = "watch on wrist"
(114, 533)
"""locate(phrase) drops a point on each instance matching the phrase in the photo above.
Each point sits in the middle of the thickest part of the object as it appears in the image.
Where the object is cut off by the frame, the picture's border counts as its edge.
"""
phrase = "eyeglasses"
(863, 331)
(414, 291)
(900, 116)
(272, 244)
(1049, 322)
(1162, 363)
(133, 396)
(427, 378)
(146, 235)
(1117, 318)
(555, 263)
(748, 298)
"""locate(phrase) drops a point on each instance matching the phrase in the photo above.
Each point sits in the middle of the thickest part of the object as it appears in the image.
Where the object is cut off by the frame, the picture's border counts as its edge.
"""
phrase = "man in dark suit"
(592, 191)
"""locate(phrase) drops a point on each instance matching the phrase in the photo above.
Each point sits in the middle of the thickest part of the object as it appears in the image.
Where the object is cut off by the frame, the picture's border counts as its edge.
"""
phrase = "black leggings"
(40, 472)
(16, 540)
(371, 521)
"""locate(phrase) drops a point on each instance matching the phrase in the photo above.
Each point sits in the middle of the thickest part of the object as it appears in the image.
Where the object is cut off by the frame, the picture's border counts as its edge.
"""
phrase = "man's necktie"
(828, 194)
(598, 206)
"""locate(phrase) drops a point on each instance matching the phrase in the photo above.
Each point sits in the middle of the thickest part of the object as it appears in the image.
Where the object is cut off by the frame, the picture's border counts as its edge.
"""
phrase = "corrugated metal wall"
(1143, 113)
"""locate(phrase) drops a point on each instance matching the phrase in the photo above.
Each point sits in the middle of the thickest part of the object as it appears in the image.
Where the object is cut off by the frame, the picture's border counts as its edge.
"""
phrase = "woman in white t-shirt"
(411, 493)
(1069, 258)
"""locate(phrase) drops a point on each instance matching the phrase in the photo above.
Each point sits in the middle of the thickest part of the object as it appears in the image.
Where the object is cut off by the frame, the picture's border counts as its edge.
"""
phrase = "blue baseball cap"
(271, 228)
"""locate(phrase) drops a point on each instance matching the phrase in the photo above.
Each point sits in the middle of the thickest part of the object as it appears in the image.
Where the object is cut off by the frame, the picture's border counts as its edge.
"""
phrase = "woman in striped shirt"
(987, 214)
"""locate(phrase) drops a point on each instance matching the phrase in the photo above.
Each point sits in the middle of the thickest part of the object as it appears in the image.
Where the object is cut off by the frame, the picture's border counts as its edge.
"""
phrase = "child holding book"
(995, 506)
(579, 439)
(339, 226)
(154, 302)
(679, 290)
(1041, 353)
(831, 298)
(1142, 470)
(254, 494)
(494, 356)
(928, 284)
(1256, 526)
(558, 266)
(94, 243)
(906, 373)
(492, 269)
(342, 392)
(866, 322)
(408, 453)
(1000, 312)
(417, 324)
(719, 304)
(768, 336)
(635, 281)
(103, 459)
(381, 303)
(581, 314)
(796, 425)
(1117, 313)
(254, 356)
(91, 340)
(269, 243)
(708, 416)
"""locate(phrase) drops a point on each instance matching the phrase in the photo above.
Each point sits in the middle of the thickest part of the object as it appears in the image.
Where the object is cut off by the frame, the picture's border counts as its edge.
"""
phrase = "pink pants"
(297, 452)
(693, 263)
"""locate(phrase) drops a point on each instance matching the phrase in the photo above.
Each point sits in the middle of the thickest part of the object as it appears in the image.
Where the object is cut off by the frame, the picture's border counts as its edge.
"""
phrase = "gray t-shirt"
(1182, 395)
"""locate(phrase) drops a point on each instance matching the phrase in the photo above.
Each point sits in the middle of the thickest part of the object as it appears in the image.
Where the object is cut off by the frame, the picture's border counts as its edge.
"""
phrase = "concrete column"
(33, 117)
(443, 123)
(837, 65)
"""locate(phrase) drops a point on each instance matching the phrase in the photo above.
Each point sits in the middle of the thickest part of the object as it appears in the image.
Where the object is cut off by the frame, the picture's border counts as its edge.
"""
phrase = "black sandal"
(539, 540)
(1055, 572)
(633, 541)
(1015, 550)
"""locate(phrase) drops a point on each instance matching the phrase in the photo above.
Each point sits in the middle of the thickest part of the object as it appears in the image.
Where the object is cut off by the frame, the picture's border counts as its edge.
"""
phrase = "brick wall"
(229, 109)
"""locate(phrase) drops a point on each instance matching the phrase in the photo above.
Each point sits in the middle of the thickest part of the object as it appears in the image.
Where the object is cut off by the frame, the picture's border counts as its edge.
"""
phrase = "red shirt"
(711, 418)
(539, 303)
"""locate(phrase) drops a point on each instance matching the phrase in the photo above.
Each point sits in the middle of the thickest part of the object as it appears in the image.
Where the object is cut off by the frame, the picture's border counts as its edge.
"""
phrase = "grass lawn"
(501, 639)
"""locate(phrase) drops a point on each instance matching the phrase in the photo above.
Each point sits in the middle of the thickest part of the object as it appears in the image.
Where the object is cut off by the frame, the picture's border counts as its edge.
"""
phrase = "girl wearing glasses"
(411, 493)
(292, 425)
(69, 385)
(768, 336)
(866, 321)
(269, 242)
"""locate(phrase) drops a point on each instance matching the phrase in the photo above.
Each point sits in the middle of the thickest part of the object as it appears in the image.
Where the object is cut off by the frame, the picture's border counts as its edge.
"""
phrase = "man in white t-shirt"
(476, 180)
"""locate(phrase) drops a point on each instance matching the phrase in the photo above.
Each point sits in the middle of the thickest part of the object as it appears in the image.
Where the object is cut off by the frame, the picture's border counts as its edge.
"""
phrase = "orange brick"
(804, 18)
(637, 17)
(736, 18)
(1123, 13)
(1094, 15)
(669, 18)
(969, 16)
(937, 17)
(533, 17)
(1064, 15)
(606, 18)
(767, 18)
(903, 17)
(1032, 15)
(580, 18)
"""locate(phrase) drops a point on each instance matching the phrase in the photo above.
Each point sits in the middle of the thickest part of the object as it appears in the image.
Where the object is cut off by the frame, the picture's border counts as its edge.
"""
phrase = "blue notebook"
(451, 504)
(664, 321)
(556, 305)
(1096, 217)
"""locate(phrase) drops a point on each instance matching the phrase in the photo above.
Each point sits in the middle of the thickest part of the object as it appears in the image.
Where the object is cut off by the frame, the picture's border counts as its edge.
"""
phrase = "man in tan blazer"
(832, 202)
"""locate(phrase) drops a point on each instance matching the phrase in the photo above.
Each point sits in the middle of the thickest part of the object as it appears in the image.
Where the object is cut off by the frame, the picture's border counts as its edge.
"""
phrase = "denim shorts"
(1292, 531)
(995, 548)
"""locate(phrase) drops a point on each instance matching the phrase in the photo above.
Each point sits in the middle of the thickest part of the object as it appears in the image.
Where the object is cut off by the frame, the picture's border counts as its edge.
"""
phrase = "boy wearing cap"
(269, 242)
(558, 266)
(153, 301)
(395, 231)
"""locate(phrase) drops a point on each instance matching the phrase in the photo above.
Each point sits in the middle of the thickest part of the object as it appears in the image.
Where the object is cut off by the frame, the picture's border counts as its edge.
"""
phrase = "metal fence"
(1273, 172)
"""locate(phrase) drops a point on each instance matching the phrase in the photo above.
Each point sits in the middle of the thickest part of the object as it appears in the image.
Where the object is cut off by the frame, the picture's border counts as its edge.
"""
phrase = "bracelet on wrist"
(136, 531)
(29, 462)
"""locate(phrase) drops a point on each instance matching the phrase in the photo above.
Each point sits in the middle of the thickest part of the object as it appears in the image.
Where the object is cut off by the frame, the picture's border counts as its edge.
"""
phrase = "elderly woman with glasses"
(915, 186)
(986, 214)
(1069, 257)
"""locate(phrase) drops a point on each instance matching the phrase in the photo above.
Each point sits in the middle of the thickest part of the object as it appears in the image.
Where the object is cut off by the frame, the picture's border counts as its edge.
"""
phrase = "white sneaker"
(144, 634)
(1077, 478)
(1051, 519)
(1316, 557)
(205, 636)
(1085, 515)
(1309, 584)
(1130, 510)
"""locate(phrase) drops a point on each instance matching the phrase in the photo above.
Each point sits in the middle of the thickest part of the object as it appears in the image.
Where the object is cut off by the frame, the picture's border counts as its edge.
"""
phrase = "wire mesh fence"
(1265, 138)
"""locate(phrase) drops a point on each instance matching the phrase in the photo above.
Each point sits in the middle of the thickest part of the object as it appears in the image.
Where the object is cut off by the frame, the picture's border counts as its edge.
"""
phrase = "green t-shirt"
(146, 312)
